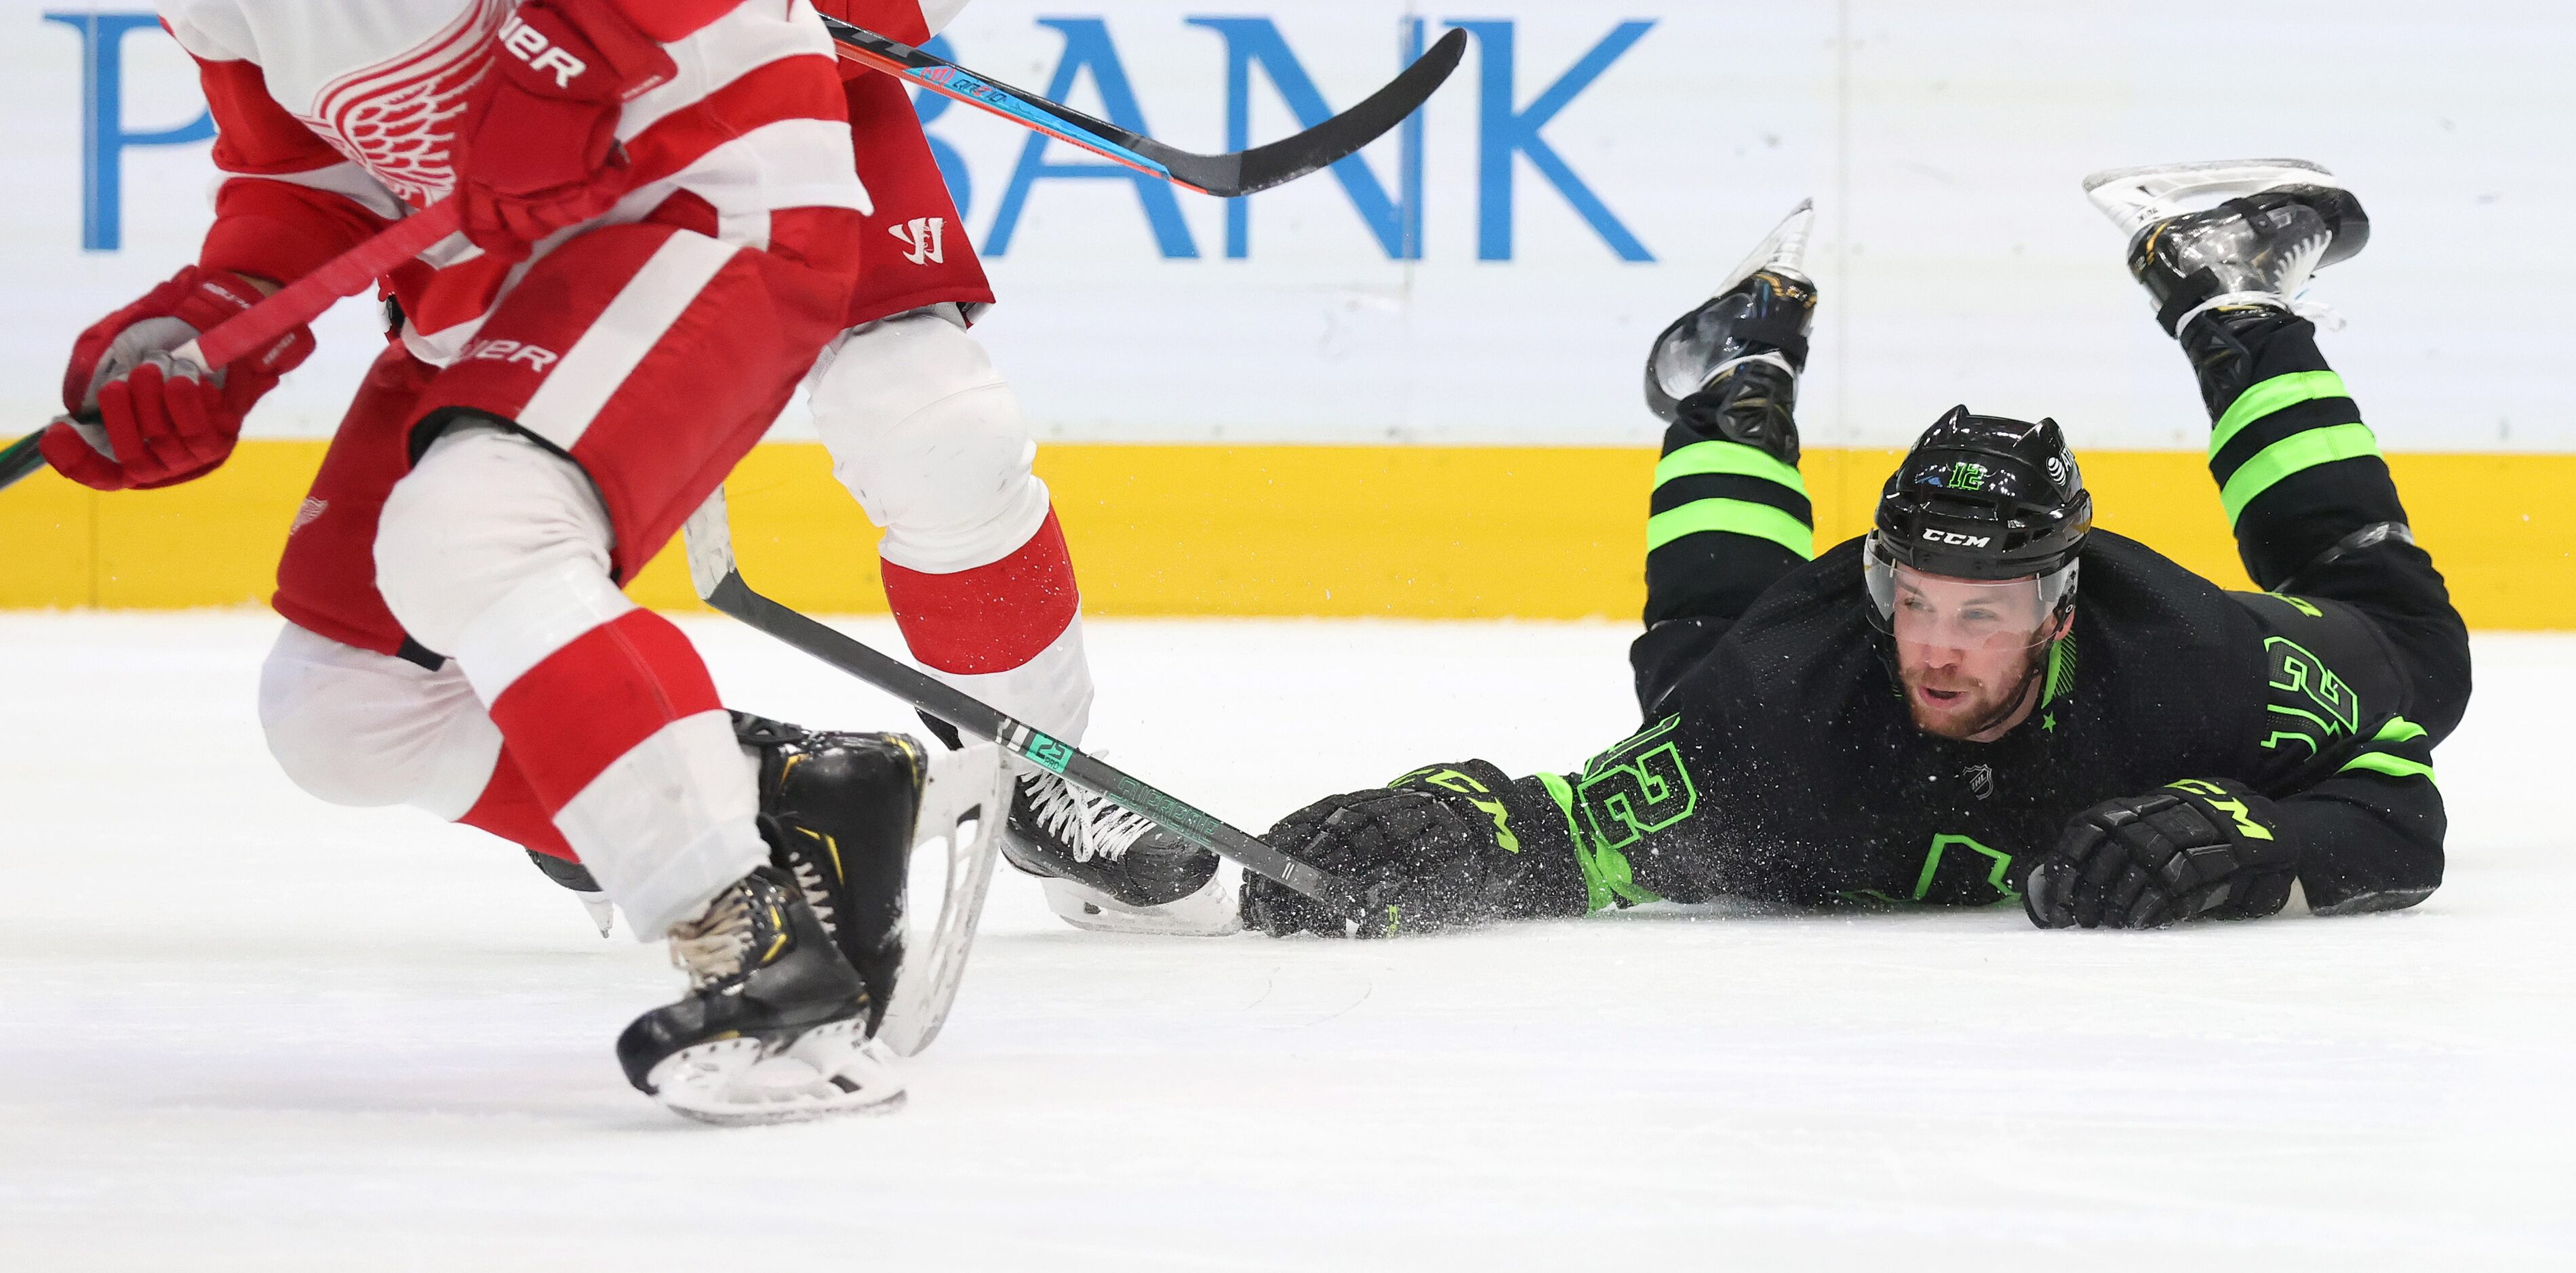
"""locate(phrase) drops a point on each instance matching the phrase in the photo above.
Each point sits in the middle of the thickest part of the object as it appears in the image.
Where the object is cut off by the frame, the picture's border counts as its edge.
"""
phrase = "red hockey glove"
(162, 422)
(538, 150)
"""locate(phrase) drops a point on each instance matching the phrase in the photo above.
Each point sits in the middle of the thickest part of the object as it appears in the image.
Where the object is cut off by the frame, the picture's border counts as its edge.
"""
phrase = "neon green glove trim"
(1608, 879)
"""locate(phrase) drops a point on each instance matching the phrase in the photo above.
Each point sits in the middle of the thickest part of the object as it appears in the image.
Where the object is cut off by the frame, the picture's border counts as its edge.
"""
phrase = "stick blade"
(708, 534)
(1324, 145)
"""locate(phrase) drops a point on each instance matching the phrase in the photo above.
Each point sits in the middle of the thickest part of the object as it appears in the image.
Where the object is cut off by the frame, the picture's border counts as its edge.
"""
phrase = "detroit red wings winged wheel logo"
(397, 119)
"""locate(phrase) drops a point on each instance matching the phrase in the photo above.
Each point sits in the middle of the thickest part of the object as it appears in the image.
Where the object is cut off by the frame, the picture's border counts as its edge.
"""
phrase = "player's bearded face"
(1969, 651)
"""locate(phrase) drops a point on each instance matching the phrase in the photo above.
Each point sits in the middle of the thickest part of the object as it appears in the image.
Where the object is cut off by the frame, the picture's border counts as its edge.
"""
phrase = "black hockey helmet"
(1983, 498)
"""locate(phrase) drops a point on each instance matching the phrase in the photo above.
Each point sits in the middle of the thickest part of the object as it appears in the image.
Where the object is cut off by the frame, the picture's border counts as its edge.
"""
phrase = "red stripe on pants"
(992, 618)
(584, 706)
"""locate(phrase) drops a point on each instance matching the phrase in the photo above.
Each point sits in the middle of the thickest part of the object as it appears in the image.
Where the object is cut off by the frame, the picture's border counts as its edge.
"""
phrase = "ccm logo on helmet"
(1954, 537)
(530, 45)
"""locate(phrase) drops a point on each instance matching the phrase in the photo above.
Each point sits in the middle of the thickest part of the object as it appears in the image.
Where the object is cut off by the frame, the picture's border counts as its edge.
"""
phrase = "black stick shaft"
(973, 715)
(1230, 175)
(20, 459)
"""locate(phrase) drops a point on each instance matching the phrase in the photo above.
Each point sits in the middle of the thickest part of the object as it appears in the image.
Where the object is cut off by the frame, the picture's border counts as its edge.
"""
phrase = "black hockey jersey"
(1779, 760)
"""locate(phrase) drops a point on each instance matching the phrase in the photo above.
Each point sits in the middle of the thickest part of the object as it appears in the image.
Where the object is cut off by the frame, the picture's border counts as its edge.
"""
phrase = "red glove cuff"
(196, 296)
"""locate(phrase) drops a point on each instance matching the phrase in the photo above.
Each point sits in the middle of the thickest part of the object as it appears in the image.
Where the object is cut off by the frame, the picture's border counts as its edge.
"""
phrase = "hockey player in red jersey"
(651, 193)
(931, 441)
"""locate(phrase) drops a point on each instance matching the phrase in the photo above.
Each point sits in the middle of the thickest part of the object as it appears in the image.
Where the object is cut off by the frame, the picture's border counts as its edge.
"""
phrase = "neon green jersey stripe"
(2398, 730)
(2271, 396)
(1727, 457)
(2295, 453)
(1736, 516)
(1608, 879)
(2380, 762)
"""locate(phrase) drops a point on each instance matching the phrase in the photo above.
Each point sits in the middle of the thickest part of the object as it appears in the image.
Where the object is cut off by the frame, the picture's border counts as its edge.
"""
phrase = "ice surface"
(244, 1029)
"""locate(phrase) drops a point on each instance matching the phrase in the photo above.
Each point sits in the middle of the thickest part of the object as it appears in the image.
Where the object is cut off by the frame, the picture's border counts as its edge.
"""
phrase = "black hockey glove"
(1443, 847)
(2193, 849)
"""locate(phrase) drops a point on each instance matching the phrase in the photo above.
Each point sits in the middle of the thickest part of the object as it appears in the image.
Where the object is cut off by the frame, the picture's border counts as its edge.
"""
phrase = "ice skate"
(846, 815)
(1212, 911)
(1730, 367)
(1110, 869)
(774, 1027)
(2230, 234)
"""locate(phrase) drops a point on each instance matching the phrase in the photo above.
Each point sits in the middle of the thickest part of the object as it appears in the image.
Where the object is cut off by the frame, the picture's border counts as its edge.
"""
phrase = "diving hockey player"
(651, 194)
(1936, 712)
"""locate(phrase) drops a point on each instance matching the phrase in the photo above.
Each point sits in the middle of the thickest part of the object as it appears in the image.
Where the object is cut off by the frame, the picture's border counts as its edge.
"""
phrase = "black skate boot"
(842, 814)
(1108, 869)
(774, 1027)
(1729, 369)
(2231, 235)
(837, 810)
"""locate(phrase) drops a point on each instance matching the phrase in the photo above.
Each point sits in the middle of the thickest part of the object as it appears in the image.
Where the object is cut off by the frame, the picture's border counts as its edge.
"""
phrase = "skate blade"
(1213, 911)
(830, 1070)
(1784, 252)
(963, 810)
(2135, 198)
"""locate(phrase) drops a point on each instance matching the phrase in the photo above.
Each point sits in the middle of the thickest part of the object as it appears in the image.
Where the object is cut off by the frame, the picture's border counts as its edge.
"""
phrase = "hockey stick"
(720, 583)
(290, 307)
(21, 459)
(1229, 175)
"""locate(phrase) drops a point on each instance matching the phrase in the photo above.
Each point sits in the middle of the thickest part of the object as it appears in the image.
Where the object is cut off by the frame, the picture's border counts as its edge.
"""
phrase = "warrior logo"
(925, 239)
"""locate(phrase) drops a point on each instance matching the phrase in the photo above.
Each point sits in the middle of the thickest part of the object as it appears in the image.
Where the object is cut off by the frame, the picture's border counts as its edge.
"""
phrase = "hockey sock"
(509, 808)
(2297, 469)
(1008, 632)
(614, 725)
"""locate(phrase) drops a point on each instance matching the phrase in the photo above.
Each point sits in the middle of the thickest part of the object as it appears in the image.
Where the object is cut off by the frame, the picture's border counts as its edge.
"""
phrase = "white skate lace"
(711, 947)
(1095, 827)
(809, 881)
